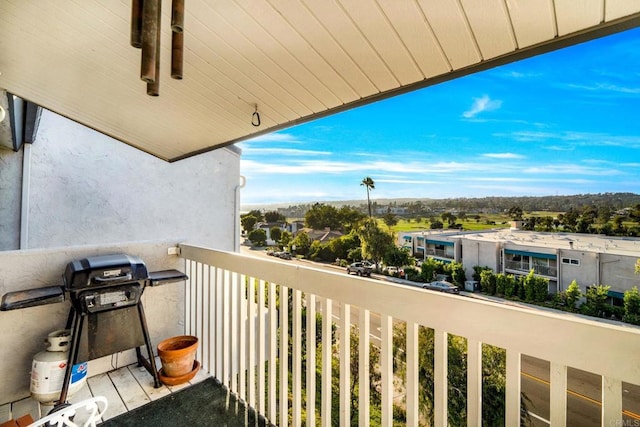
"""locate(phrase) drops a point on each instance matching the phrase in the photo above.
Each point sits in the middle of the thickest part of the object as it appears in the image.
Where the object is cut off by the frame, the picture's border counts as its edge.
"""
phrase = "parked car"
(393, 271)
(284, 255)
(360, 268)
(442, 286)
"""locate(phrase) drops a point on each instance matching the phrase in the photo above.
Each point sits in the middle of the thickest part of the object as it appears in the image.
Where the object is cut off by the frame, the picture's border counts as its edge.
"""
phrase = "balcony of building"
(526, 267)
(261, 353)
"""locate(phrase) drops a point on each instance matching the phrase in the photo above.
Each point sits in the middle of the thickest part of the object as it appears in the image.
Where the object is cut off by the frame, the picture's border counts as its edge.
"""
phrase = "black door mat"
(204, 404)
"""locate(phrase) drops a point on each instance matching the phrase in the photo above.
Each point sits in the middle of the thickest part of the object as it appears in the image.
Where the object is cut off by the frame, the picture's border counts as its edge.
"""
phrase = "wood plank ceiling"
(295, 59)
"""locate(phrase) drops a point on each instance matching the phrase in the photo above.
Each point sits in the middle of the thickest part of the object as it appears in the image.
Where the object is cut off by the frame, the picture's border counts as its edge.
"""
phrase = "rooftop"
(584, 242)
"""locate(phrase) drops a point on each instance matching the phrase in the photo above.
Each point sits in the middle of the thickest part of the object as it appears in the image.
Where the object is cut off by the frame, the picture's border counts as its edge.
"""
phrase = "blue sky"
(562, 123)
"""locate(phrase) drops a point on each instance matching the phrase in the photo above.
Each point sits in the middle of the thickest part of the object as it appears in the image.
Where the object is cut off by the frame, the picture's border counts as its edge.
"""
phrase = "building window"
(571, 261)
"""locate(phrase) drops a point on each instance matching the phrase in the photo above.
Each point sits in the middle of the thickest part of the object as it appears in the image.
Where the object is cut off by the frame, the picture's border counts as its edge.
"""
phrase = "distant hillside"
(541, 203)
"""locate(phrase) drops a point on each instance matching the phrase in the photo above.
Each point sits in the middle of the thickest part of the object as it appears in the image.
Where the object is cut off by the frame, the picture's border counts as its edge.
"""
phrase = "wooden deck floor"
(126, 388)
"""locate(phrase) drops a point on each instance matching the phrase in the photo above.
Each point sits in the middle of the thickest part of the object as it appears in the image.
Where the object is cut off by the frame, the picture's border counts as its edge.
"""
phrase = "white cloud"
(606, 87)
(503, 156)
(569, 169)
(480, 105)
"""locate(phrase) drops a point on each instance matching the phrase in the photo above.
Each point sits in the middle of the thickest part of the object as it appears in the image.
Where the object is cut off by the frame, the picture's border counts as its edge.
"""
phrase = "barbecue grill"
(106, 314)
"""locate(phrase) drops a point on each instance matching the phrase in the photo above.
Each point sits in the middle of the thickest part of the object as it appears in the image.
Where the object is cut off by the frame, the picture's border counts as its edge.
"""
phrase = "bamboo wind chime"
(145, 34)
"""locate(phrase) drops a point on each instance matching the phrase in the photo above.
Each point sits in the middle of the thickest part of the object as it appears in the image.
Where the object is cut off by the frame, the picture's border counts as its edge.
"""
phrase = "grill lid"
(103, 271)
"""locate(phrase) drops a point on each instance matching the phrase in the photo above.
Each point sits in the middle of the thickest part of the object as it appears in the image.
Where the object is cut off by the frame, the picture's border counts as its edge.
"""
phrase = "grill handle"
(104, 280)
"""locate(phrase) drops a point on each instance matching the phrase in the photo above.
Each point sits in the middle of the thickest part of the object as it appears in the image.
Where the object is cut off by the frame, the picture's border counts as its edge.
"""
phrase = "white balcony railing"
(227, 289)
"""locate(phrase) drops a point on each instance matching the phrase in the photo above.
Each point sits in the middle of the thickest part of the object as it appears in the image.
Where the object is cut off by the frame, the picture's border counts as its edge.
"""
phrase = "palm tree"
(368, 182)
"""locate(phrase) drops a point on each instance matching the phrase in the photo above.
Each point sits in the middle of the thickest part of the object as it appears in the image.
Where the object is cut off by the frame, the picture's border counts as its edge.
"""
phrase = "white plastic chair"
(94, 408)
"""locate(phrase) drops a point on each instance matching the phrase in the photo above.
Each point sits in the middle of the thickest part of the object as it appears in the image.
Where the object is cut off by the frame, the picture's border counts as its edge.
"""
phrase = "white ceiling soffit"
(297, 60)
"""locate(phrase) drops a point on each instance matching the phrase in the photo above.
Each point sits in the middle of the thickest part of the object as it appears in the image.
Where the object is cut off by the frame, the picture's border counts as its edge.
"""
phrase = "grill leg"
(151, 364)
(77, 321)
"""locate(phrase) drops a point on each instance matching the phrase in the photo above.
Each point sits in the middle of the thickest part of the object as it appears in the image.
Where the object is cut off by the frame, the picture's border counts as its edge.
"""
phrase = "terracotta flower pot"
(177, 355)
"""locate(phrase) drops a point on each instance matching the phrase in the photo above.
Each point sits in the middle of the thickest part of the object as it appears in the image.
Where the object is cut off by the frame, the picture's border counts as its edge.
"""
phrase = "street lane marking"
(582, 396)
(538, 417)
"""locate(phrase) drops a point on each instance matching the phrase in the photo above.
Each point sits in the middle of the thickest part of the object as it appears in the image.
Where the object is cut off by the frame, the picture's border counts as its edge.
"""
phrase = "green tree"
(322, 216)
(390, 219)
(547, 223)
(632, 306)
(303, 243)
(276, 233)
(258, 237)
(572, 295)
(350, 218)
(488, 282)
(396, 256)
(370, 185)
(428, 270)
(257, 214)
(501, 283)
(375, 242)
(618, 226)
(285, 239)
(449, 218)
(515, 213)
(436, 224)
(510, 286)
(457, 273)
(596, 300)
(248, 222)
(274, 216)
(536, 288)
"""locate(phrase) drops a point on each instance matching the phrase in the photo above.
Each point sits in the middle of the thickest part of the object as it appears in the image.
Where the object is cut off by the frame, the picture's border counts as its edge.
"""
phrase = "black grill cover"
(104, 271)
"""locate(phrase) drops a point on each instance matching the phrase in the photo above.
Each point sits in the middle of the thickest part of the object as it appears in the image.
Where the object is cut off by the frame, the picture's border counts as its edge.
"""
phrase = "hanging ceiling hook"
(255, 117)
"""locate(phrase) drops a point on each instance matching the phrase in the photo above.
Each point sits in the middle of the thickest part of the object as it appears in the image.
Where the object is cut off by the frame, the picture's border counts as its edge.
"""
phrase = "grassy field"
(485, 222)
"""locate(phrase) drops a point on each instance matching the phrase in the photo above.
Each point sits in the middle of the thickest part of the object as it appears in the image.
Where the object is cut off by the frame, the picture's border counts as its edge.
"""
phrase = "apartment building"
(560, 257)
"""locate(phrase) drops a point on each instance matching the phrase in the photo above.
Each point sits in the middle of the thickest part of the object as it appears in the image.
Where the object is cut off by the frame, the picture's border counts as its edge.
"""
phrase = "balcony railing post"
(386, 369)
(412, 379)
(226, 329)
(234, 332)
(364, 327)
(251, 331)
(296, 336)
(283, 358)
(311, 360)
(345, 364)
(440, 383)
(474, 383)
(325, 410)
(242, 337)
(513, 388)
(204, 333)
(262, 312)
(198, 314)
(611, 402)
(558, 395)
(273, 355)
(219, 325)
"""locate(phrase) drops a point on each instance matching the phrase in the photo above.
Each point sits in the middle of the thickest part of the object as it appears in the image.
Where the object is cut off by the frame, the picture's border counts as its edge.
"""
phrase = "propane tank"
(49, 366)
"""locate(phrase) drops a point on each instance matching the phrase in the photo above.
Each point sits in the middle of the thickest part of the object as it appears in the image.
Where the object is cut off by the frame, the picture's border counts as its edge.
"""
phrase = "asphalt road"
(583, 388)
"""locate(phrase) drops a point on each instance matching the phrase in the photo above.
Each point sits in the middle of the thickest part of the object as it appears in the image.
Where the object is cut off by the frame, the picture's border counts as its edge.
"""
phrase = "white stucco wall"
(10, 189)
(87, 188)
(483, 254)
(585, 274)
